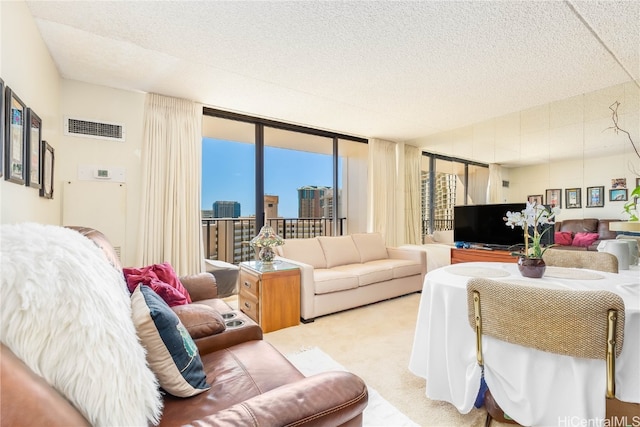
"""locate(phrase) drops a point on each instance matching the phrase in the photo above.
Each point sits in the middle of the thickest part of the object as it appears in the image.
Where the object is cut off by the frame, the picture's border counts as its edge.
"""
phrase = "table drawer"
(249, 306)
(250, 284)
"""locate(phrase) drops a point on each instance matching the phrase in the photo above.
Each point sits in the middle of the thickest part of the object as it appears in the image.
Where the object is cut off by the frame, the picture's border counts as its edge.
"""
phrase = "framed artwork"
(619, 183)
(2, 118)
(535, 199)
(573, 197)
(595, 197)
(15, 137)
(33, 170)
(618, 195)
(47, 158)
(554, 197)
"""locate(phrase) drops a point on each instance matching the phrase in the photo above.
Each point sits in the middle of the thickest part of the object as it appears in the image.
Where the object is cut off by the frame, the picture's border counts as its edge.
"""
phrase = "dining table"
(534, 387)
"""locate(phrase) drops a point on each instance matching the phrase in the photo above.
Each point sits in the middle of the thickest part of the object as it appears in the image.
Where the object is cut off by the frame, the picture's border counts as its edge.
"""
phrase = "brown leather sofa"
(252, 384)
(588, 225)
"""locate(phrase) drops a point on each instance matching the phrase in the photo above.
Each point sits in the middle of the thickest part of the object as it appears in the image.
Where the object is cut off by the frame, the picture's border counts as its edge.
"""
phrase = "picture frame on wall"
(2, 119)
(554, 197)
(15, 137)
(618, 195)
(595, 197)
(573, 198)
(536, 199)
(47, 158)
(33, 172)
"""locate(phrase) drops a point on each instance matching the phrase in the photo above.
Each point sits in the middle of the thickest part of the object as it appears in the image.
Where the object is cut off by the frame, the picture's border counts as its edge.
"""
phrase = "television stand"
(481, 255)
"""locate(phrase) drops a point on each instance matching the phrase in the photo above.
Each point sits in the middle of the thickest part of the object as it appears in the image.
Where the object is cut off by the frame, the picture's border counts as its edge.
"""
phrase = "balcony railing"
(227, 239)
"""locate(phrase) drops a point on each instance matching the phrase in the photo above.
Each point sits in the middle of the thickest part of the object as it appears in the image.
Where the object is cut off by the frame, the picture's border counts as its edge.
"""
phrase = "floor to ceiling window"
(448, 182)
(257, 171)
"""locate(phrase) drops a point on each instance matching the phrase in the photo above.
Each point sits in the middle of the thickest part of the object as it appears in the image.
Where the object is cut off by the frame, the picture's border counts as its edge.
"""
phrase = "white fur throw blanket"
(66, 313)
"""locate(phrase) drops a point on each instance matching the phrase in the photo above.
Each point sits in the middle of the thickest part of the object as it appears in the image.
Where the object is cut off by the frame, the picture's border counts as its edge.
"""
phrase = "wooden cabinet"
(270, 294)
(481, 255)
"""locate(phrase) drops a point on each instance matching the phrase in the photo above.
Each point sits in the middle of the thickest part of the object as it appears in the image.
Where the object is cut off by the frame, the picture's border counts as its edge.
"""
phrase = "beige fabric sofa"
(342, 272)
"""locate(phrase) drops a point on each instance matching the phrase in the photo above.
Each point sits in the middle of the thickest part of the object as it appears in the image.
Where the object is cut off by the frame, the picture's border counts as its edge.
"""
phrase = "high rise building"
(271, 206)
(226, 209)
(310, 201)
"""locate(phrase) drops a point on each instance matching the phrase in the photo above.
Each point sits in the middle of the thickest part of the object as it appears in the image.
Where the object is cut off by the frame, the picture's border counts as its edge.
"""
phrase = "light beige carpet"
(374, 342)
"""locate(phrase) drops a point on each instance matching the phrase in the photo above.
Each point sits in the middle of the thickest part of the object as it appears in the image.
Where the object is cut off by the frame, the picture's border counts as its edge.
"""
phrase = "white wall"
(103, 104)
(27, 68)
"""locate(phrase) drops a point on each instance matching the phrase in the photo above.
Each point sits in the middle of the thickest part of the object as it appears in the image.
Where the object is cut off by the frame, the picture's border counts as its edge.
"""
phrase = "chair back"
(601, 261)
(586, 324)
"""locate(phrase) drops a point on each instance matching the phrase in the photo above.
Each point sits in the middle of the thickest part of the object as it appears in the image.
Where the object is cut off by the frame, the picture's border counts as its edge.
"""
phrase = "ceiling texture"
(394, 70)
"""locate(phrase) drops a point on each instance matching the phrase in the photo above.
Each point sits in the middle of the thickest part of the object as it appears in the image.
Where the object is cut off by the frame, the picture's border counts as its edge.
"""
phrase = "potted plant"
(532, 219)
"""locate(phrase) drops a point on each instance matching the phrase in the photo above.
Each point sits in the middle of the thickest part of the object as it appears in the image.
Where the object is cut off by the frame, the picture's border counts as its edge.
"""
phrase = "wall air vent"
(93, 129)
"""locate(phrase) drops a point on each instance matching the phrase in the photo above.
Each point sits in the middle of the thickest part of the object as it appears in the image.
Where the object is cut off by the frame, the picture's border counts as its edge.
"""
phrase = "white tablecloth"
(534, 387)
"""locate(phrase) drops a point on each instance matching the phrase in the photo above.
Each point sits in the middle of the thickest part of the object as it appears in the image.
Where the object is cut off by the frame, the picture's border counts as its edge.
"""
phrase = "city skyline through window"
(228, 175)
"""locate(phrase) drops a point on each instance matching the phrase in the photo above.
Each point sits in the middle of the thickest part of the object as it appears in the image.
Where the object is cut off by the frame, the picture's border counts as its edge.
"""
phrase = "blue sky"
(228, 174)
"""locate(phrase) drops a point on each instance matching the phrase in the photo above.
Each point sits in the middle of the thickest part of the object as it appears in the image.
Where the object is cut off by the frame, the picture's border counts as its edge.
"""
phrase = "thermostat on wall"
(101, 174)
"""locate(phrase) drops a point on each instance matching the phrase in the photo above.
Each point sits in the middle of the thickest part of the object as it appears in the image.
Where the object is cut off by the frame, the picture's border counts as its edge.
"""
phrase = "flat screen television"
(484, 225)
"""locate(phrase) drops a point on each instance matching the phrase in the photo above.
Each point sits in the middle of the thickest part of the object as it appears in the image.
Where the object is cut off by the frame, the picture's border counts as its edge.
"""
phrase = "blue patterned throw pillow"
(171, 352)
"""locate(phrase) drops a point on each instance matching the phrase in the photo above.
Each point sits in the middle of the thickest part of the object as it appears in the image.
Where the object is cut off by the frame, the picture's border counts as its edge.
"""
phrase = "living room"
(537, 132)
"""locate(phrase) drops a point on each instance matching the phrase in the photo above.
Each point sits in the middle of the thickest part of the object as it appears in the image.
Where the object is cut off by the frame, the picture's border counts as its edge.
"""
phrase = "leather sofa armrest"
(232, 335)
(330, 398)
(200, 320)
(28, 400)
(200, 286)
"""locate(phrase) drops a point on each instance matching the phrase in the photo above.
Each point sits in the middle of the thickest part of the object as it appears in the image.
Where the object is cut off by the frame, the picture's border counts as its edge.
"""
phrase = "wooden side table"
(270, 294)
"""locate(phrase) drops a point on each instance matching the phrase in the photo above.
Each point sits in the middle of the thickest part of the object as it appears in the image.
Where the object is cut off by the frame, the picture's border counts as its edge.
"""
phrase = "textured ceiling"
(384, 69)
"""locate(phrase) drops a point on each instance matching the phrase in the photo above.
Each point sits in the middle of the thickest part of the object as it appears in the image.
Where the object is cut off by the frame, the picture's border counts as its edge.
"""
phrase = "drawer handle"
(247, 305)
(247, 285)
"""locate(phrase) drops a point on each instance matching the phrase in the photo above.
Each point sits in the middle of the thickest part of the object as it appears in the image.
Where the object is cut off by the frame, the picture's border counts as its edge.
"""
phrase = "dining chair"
(601, 261)
(585, 324)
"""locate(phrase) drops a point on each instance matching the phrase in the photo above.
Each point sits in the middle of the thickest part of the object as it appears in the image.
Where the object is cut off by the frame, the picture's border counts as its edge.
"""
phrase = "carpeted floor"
(378, 413)
(375, 343)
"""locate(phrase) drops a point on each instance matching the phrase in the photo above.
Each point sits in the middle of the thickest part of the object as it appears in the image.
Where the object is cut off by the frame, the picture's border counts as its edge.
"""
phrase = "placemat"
(474, 271)
(571, 273)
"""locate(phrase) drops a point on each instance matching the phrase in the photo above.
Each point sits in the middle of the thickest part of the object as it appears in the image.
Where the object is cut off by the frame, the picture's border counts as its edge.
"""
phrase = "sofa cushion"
(371, 246)
(66, 314)
(368, 273)
(563, 238)
(403, 267)
(584, 239)
(331, 280)
(589, 225)
(162, 279)
(603, 229)
(307, 251)
(200, 320)
(171, 352)
(339, 250)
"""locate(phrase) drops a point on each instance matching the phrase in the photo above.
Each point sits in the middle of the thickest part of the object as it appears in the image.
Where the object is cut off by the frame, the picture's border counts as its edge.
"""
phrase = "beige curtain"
(494, 187)
(170, 227)
(412, 197)
(382, 188)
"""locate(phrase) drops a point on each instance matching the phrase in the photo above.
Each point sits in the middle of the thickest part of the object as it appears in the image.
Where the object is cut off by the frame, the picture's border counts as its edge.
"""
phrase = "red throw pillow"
(563, 238)
(162, 279)
(584, 239)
